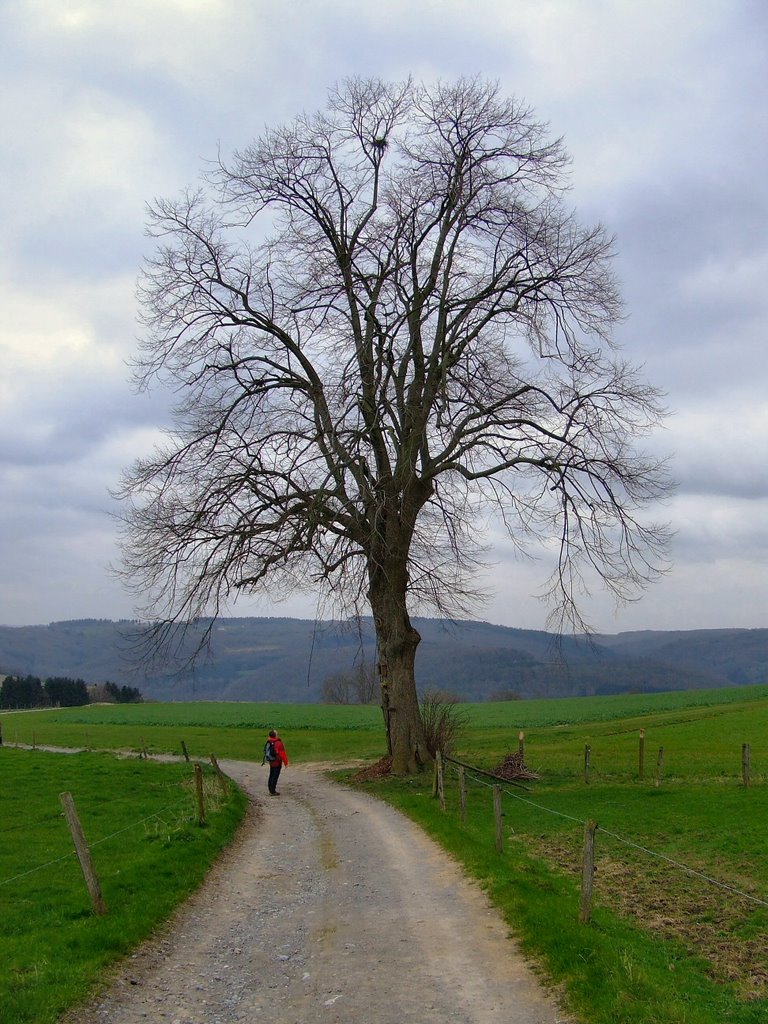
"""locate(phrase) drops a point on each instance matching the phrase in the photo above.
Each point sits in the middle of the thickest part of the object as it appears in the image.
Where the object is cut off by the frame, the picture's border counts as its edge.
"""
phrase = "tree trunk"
(398, 641)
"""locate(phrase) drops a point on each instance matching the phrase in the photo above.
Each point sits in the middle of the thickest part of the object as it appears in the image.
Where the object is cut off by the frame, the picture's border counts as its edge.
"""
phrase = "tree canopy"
(385, 324)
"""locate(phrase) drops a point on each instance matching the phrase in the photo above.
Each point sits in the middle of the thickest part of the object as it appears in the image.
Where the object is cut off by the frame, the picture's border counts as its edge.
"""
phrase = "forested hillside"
(288, 659)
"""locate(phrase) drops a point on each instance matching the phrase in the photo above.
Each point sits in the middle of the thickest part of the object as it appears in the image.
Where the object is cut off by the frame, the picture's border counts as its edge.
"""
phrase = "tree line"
(19, 693)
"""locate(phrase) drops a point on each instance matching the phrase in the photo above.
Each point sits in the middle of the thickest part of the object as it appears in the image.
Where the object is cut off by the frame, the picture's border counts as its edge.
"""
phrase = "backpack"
(270, 754)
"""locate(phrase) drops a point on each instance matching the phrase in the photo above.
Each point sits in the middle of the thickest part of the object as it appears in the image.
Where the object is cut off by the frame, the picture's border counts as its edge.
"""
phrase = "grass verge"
(140, 821)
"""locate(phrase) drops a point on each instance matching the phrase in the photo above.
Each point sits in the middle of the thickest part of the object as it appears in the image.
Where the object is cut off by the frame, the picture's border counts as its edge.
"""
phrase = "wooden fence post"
(222, 778)
(587, 762)
(498, 815)
(184, 751)
(199, 795)
(462, 796)
(641, 756)
(745, 766)
(521, 743)
(587, 872)
(83, 853)
(1, 734)
(659, 766)
(440, 780)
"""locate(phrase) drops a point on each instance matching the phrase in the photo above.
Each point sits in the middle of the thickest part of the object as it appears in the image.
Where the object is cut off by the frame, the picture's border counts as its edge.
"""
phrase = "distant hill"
(737, 656)
(288, 659)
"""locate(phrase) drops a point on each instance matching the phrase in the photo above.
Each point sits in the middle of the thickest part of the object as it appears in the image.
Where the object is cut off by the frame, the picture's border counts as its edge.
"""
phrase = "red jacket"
(277, 743)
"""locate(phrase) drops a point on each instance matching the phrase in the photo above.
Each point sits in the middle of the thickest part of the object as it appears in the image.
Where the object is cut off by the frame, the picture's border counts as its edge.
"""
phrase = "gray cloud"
(103, 107)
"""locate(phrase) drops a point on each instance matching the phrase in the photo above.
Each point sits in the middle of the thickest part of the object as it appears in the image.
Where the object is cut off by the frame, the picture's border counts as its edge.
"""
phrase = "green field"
(315, 732)
(702, 731)
(149, 852)
(679, 929)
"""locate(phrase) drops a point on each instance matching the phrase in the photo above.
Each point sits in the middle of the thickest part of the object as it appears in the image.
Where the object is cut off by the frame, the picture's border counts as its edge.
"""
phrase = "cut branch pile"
(380, 770)
(513, 767)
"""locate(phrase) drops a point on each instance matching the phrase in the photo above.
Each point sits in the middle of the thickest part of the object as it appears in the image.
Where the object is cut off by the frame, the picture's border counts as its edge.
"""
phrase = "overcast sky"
(105, 105)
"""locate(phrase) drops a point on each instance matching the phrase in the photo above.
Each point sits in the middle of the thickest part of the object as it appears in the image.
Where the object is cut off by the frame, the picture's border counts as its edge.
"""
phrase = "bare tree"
(337, 688)
(358, 685)
(365, 682)
(384, 323)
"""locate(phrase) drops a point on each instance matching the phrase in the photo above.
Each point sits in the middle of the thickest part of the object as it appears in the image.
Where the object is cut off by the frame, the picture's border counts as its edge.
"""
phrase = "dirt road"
(329, 907)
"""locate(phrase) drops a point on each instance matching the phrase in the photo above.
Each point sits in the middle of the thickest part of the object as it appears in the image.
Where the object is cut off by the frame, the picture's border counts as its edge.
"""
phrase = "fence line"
(685, 867)
(522, 799)
(488, 775)
(54, 816)
(141, 821)
(96, 842)
(614, 835)
(58, 860)
(51, 817)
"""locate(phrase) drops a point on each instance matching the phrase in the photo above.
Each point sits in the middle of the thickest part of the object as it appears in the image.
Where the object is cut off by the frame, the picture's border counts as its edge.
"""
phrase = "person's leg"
(274, 773)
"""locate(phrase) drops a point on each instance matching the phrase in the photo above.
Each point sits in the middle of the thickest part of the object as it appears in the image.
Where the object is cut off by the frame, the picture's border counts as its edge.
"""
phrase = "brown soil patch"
(726, 930)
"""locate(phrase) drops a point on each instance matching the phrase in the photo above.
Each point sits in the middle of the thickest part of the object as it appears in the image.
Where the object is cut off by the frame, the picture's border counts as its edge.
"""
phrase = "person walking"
(275, 755)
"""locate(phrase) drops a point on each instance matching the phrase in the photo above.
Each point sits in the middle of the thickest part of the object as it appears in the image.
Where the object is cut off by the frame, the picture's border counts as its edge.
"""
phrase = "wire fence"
(191, 806)
(510, 791)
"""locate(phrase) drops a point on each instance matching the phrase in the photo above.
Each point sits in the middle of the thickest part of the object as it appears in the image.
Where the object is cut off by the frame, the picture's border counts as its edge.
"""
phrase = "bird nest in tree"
(513, 767)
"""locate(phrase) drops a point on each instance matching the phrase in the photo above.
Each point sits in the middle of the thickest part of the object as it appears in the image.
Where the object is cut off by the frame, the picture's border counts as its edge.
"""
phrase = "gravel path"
(330, 907)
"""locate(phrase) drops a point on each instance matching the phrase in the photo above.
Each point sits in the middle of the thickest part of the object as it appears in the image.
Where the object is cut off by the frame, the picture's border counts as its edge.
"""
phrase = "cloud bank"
(106, 106)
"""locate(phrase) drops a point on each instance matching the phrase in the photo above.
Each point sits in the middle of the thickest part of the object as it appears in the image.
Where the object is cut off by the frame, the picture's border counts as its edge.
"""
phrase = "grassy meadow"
(679, 928)
(312, 732)
(149, 852)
